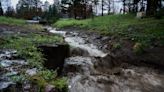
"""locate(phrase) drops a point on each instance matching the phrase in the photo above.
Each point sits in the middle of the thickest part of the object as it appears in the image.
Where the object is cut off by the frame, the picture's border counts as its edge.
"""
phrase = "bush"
(159, 14)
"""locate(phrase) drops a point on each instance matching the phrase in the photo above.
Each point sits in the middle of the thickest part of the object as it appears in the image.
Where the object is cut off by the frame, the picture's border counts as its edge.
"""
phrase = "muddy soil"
(15, 69)
(95, 65)
(152, 56)
(111, 69)
(7, 30)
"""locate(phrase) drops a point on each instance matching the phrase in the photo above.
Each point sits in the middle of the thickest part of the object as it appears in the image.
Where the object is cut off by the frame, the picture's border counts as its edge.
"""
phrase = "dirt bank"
(125, 50)
(111, 64)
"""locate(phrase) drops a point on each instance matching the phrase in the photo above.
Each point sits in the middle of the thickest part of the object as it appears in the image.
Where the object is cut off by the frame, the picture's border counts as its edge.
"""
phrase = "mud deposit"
(89, 69)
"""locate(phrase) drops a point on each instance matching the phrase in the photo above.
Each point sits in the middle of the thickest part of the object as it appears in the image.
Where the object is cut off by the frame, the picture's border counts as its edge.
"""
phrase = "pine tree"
(1, 10)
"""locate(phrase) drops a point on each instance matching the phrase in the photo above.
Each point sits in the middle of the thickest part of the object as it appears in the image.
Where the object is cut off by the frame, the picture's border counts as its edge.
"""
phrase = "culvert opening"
(55, 56)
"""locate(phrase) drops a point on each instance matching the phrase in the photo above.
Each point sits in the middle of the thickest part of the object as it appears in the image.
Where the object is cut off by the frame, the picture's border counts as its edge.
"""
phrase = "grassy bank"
(12, 21)
(26, 47)
(25, 40)
(62, 23)
(145, 30)
(19, 22)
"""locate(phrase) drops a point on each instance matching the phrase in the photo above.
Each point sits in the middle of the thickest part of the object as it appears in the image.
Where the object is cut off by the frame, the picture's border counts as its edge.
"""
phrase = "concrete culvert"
(55, 56)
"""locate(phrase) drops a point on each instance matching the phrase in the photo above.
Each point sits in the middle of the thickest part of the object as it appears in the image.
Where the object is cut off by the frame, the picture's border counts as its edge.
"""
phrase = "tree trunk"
(102, 8)
(1, 10)
(160, 4)
(109, 8)
(151, 7)
(123, 6)
(85, 10)
(74, 10)
(92, 12)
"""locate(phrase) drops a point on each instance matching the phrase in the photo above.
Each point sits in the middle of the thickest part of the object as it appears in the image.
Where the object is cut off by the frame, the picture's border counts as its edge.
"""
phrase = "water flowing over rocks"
(9, 66)
(89, 69)
(73, 39)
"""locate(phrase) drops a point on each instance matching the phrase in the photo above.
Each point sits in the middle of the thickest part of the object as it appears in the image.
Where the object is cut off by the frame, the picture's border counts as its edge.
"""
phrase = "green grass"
(12, 21)
(19, 22)
(49, 77)
(26, 46)
(146, 30)
(71, 23)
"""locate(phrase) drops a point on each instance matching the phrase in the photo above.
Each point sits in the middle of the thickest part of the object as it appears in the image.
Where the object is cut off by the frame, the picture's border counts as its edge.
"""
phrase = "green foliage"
(116, 45)
(147, 30)
(18, 78)
(39, 81)
(159, 13)
(19, 22)
(71, 23)
(27, 9)
(36, 27)
(52, 15)
(2, 41)
(48, 75)
(11, 21)
(61, 84)
(27, 46)
(45, 77)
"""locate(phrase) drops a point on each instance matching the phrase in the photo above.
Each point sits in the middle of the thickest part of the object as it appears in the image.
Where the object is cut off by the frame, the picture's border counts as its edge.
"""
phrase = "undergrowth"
(26, 47)
(147, 31)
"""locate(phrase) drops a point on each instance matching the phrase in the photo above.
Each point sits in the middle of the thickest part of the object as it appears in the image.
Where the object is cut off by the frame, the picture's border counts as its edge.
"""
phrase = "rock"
(105, 38)
(105, 47)
(11, 74)
(5, 85)
(6, 63)
(108, 62)
(78, 52)
(8, 54)
(19, 62)
(130, 29)
(49, 88)
(78, 64)
(27, 86)
(141, 14)
(31, 72)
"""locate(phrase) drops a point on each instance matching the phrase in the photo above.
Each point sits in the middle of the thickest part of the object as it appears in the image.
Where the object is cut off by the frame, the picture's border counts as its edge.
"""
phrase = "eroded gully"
(90, 70)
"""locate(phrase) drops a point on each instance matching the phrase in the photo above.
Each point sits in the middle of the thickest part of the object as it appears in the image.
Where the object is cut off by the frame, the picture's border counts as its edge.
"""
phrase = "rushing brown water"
(88, 74)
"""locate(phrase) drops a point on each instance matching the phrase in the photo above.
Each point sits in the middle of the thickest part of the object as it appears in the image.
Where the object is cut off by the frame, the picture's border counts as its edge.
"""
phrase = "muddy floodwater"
(89, 69)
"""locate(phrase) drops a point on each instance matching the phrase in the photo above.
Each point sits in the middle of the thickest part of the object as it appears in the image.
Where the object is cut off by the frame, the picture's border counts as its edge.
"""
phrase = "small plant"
(116, 46)
(48, 75)
(1, 66)
(61, 84)
(138, 48)
(18, 78)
